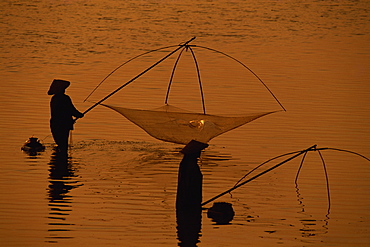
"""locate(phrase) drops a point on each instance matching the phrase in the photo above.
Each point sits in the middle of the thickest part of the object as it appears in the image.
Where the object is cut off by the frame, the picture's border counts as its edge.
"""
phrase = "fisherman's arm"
(77, 114)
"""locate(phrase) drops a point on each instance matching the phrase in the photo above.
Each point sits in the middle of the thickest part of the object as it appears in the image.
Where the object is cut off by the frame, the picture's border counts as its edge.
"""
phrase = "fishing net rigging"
(172, 124)
(294, 155)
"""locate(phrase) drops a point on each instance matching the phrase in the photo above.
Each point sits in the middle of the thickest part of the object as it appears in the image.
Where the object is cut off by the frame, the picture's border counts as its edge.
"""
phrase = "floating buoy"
(32, 146)
(221, 213)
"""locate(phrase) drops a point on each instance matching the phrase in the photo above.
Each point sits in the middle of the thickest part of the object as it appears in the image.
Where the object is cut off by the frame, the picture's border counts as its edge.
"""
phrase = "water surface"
(118, 187)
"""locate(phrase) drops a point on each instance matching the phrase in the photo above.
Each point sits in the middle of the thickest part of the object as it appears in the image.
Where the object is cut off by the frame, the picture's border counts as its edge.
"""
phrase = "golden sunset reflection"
(118, 187)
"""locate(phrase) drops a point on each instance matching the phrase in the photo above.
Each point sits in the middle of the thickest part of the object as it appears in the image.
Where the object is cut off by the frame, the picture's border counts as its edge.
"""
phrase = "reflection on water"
(313, 55)
(189, 225)
(62, 180)
(311, 225)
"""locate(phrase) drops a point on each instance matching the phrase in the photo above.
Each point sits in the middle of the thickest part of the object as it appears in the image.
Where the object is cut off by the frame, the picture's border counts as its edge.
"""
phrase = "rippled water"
(118, 187)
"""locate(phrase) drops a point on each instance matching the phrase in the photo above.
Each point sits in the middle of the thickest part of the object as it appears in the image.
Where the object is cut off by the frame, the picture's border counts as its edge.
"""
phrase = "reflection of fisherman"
(62, 110)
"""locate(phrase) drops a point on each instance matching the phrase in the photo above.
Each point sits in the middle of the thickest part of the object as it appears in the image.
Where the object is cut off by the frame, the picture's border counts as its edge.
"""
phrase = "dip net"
(172, 124)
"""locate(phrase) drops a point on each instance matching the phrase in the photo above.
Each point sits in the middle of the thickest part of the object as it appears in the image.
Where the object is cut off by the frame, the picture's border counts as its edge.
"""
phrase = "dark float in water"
(33, 146)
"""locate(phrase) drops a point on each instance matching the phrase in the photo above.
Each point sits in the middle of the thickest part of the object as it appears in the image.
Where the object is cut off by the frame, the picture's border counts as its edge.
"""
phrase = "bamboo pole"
(260, 174)
(146, 70)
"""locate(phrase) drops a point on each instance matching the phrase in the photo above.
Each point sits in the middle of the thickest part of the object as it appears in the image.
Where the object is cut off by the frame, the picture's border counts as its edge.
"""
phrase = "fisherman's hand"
(80, 115)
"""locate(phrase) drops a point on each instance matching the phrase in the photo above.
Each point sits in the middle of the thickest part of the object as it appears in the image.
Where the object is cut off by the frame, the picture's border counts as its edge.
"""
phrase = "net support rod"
(113, 71)
(172, 75)
(133, 79)
(264, 84)
(260, 174)
(198, 74)
(199, 80)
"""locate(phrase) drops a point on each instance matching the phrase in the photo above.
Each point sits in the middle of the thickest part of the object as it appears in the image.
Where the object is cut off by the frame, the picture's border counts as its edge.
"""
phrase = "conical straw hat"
(58, 86)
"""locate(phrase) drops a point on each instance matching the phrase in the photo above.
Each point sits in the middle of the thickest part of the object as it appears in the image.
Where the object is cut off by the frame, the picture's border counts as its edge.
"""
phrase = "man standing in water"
(62, 111)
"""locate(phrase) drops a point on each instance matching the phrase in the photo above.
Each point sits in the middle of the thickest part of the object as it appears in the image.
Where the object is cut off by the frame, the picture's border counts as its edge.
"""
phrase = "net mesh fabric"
(172, 124)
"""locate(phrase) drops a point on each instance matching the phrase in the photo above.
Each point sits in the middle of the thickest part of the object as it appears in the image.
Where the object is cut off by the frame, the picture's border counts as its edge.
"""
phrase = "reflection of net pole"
(142, 73)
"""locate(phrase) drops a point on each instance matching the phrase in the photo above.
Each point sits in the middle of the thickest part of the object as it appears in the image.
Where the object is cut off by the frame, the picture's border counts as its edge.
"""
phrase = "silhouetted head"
(33, 139)
(58, 86)
(193, 148)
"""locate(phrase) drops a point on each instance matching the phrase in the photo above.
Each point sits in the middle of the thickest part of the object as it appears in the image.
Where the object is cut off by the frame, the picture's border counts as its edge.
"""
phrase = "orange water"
(120, 188)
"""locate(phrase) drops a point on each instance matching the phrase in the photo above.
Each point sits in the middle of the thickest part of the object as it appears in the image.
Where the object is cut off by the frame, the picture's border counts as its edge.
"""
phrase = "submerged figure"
(62, 113)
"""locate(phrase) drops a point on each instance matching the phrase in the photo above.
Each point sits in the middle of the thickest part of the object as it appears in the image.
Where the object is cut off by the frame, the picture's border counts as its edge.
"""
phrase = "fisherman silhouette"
(62, 113)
